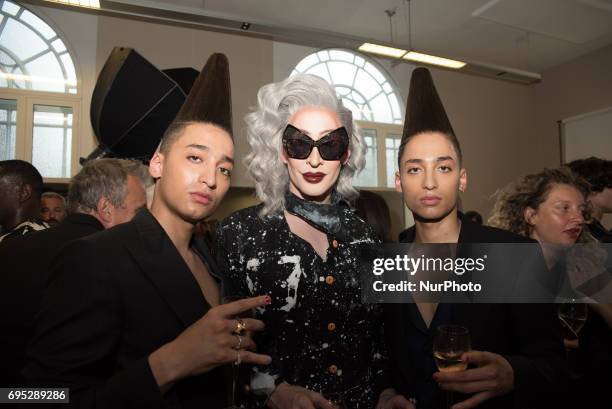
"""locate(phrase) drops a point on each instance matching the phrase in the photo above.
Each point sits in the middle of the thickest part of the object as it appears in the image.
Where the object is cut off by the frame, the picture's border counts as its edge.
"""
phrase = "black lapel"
(159, 259)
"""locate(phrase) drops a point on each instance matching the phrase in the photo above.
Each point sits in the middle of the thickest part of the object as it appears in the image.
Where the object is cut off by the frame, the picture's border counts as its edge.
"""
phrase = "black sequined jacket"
(319, 333)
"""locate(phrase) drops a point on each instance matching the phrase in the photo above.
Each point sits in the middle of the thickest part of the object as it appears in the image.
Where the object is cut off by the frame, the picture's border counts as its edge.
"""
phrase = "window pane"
(39, 25)
(342, 72)
(369, 175)
(8, 117)
(392, 142)
(30, 41)
(52, 140)
(372, 93)
(320, 70)
(380, 106)
(10, 8)
(16, 33)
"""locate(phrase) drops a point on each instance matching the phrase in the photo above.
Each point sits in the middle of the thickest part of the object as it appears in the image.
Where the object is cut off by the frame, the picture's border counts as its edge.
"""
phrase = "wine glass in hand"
(572, 315)
(450, 342)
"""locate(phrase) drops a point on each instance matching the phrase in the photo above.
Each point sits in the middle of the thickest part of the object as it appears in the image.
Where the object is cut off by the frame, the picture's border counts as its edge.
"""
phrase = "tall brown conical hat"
(424, 109)
(210, 97)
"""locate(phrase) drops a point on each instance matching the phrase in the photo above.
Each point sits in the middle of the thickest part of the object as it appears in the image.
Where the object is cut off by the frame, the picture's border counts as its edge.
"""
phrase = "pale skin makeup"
(313, 179)
(430, 178)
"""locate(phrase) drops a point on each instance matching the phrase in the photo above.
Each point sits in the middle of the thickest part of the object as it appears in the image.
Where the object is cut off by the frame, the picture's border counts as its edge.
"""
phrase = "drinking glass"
(450, 342)
(573, 315)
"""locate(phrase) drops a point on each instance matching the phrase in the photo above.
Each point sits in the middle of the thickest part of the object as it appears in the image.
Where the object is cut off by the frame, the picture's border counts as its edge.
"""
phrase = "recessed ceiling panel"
(574, 21)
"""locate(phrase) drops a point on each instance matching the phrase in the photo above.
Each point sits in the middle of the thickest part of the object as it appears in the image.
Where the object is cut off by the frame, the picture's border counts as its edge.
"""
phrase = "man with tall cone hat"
(132, 319)
(516, 356)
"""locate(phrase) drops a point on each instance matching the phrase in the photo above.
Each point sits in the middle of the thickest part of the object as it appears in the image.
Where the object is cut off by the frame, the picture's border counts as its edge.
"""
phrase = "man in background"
(20, 190)
(52, 208)
(598, 172)
(106, 192)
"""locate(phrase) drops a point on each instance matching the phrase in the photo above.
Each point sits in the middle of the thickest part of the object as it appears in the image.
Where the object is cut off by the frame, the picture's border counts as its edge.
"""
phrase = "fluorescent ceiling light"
(433, 60)
(92, 4)
(382, 50)
(21, 77)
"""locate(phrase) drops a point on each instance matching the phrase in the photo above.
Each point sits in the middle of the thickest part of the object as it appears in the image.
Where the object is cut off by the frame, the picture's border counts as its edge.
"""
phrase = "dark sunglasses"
(332, 146)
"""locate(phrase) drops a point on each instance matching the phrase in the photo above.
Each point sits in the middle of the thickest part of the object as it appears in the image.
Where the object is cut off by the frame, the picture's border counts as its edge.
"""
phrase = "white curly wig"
(276, 103)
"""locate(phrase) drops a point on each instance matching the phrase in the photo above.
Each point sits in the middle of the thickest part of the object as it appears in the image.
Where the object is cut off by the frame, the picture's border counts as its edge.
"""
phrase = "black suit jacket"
(26, 264)
(527, 335)
(119, 295)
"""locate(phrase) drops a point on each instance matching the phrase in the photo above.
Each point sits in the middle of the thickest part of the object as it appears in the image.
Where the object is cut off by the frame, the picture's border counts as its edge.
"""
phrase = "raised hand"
(210, 342)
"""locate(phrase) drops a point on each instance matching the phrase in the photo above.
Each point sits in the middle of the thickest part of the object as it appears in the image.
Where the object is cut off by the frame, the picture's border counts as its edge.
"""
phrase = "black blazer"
(26, 269)
(527, 335)
(119, 295)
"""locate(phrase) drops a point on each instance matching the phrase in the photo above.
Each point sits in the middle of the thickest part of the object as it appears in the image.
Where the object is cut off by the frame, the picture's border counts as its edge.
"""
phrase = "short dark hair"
(374, 210)
(596, 171)
(22, 173)
(474, 216)
(176, 129)
(451, 138)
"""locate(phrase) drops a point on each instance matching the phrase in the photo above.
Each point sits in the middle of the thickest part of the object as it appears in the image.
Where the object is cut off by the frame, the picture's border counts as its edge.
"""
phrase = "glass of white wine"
(450, 342)
(573, 315)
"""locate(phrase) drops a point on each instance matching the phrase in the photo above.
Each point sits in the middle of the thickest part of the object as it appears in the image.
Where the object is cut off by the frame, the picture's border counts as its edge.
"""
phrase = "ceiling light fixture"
(382, 50)
(92, 4)
(433, 60)
(409, 55)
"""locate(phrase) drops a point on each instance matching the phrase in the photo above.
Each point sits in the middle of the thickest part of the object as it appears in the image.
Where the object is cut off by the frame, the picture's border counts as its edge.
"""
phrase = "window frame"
(382, 133)
(24, 130)
(27, 98)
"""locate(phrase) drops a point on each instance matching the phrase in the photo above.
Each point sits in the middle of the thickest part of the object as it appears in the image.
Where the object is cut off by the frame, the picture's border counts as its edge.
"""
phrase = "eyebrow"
(205, 148)
(438, 159)
(325, 132)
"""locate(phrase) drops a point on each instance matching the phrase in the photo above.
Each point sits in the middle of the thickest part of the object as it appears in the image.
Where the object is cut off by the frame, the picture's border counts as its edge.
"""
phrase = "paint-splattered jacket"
(318, 332)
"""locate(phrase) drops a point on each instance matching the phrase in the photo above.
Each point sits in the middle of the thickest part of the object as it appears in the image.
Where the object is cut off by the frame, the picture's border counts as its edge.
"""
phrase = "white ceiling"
(531, 35)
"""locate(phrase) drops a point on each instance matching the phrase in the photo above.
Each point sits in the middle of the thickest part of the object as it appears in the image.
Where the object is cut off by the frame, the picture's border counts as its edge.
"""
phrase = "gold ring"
(240, 339)
(238, 358)
(240, 327)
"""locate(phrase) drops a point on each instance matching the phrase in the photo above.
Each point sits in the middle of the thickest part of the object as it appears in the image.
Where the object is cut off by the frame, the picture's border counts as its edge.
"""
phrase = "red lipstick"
(311, 177)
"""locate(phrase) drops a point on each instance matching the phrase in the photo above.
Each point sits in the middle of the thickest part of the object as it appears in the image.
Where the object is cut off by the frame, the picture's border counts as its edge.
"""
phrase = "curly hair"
(596, 171)
(276, 103)
(531, 191)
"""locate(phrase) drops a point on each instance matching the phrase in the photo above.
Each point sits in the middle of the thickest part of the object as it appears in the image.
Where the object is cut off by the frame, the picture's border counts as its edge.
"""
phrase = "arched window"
(372, 96)
(39, 99)
(363, 85)
(32, 55)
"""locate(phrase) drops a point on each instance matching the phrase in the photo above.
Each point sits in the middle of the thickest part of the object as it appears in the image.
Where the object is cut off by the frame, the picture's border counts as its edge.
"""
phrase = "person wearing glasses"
(301, 246)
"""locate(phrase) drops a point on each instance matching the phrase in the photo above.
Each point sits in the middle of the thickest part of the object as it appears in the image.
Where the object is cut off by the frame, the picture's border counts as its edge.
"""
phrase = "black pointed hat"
(210, 97)
(424, 109)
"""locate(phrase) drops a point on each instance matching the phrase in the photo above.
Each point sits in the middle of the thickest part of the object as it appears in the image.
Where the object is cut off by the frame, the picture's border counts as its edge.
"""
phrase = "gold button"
(335, 243)
(332, 369)
(329, 280)
(331, 326)
(247, 388)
